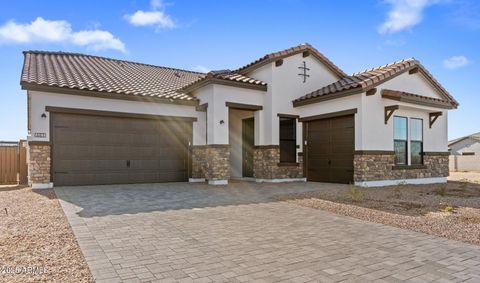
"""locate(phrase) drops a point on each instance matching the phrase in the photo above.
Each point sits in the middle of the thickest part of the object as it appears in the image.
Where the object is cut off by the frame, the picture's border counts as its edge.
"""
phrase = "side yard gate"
(13, 165)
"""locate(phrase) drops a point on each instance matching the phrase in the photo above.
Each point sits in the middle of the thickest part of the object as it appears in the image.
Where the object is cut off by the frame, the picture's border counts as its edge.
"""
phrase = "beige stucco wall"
(216, 96)
(284, 85)
(378, 136)
(39, 100)
(414, 83)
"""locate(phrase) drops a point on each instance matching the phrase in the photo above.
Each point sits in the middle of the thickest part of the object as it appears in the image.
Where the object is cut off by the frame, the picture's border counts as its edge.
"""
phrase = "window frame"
(283, 157)
(406, 141)
(416, 141)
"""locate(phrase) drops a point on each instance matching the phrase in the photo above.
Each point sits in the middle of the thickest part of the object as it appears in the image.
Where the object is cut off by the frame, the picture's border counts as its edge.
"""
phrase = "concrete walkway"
(196, 233)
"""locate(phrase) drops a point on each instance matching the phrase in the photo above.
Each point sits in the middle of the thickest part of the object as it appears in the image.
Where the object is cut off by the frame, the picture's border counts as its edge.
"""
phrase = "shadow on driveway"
(141, 198)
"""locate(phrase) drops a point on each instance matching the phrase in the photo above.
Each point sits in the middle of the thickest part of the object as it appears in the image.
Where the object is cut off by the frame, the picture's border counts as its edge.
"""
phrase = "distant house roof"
(289, 52)
(115, 77)
(226, 77)
(363, 81)
(475, 136)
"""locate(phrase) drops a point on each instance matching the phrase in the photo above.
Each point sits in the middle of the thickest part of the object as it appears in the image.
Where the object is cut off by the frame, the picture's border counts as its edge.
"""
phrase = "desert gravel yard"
(35, 234)
(448, 210)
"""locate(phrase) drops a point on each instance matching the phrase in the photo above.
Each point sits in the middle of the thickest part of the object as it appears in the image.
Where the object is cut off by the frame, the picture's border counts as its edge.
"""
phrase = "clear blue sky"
(206, 35)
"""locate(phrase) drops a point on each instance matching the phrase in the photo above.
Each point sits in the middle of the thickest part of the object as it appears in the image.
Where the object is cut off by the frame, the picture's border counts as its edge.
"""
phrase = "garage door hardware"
(128, 163)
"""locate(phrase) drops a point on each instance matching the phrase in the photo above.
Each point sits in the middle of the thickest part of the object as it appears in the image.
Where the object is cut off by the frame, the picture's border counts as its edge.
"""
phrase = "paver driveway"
(192, 232)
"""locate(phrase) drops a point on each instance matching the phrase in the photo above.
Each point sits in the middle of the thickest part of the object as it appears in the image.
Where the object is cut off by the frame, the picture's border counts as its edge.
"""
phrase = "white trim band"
(418, 181)
(196, 180)
(39, 186)
(218, 182)
(285, 180)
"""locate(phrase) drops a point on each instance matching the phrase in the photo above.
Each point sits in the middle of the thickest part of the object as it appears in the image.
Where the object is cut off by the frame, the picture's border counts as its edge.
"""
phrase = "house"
(290, 115)
(468, 145)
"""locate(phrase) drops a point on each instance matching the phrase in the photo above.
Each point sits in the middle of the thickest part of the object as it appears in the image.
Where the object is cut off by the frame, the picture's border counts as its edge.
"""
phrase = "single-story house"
(467, 145)
(290, 115)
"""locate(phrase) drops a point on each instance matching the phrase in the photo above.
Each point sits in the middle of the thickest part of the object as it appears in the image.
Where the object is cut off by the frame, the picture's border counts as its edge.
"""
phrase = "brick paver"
(194, 233)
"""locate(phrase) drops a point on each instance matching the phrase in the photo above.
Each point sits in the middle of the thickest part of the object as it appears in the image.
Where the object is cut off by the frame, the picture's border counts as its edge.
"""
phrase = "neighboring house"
(465, 153)
(468, 145)
(290, 115)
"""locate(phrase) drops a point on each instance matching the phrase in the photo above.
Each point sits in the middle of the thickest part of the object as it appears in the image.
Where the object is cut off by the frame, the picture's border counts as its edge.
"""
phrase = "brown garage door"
(330, 148)
(94, 150)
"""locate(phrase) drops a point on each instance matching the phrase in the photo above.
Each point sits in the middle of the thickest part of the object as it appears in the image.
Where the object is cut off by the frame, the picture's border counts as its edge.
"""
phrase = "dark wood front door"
(95, 150)
(248, 140)
(330, 149)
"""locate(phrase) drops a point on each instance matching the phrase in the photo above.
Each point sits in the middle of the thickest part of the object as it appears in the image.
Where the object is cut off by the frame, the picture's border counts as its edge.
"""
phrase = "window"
(416, 141)
(400, 140)
(288, 139)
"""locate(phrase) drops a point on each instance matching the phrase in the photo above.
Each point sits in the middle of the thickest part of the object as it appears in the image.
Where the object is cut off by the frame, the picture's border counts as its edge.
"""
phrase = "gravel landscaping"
(449, 210)
(36, 241)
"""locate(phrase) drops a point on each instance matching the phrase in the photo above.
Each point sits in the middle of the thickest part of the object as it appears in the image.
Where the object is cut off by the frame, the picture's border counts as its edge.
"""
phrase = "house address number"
(40, 135)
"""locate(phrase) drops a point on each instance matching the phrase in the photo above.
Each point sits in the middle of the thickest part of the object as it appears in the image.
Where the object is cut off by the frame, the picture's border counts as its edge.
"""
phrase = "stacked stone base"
(380, 167)
(211, 162)
(39, 163)
(267, 166)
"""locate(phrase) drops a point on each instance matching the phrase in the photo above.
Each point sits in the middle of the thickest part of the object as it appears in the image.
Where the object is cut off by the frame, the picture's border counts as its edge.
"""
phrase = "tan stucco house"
(289, 116)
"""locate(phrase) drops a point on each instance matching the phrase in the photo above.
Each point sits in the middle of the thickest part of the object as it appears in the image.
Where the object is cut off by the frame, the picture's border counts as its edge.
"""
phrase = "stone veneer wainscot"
(266, 164)
(39, 162)
(377, 166)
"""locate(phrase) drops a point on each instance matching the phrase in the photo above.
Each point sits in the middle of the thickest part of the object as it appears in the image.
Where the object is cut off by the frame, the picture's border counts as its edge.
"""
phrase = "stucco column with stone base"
(211, 163)
(39, 163)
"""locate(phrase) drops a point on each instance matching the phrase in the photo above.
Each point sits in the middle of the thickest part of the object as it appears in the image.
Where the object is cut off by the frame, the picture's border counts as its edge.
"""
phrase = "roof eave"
(330, 96)
(105, 94)
(208, 81)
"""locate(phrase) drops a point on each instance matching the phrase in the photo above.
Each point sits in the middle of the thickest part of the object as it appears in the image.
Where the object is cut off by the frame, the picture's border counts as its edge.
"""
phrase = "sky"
(210, 35)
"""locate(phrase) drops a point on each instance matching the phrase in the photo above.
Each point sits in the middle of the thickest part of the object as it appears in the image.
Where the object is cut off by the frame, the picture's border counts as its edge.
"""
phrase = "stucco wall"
(236, 142)
(284, 85)
(464, 163)
(414, 83)
(378, 136)
(39, 100)
(216, 96)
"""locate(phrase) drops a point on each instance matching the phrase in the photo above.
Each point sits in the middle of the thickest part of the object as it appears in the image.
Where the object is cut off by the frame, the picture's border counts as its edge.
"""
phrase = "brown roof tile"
(288, 52)
(226, 77)
(87, 72)
(359, 82)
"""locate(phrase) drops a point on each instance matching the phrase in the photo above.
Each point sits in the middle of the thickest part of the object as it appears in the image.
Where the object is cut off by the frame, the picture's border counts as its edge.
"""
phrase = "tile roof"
(87, 72)
(288, 52)
(475, 137)
(227, 77)
(362, 81)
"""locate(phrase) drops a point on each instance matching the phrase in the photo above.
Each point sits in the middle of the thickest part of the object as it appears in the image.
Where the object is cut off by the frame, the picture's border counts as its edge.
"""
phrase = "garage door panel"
(90, 150)
(330, 149)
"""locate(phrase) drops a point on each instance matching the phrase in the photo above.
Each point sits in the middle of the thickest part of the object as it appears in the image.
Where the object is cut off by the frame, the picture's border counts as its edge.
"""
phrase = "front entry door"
(248, 134)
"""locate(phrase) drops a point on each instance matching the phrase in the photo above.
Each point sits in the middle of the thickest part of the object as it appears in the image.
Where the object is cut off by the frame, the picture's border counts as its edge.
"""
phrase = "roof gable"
(368, 79)
(269, 58)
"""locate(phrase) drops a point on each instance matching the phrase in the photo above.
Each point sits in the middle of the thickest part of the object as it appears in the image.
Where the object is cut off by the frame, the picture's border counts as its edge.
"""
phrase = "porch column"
(217, 149)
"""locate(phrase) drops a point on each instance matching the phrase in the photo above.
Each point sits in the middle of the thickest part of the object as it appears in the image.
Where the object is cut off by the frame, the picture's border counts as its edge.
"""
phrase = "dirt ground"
(449, 210)
(473, 177)
(36, 241)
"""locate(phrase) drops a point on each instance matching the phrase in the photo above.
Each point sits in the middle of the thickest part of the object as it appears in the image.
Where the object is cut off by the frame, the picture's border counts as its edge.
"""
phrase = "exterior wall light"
(222, 122)
(44, 115)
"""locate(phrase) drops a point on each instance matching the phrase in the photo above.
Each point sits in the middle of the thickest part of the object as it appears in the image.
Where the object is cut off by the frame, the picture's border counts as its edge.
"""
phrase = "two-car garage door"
(330, 149)
(93, 150)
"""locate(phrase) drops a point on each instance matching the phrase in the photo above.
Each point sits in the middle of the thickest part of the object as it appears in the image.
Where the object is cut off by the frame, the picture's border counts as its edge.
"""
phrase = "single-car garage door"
(330, 149)
(95, 150)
